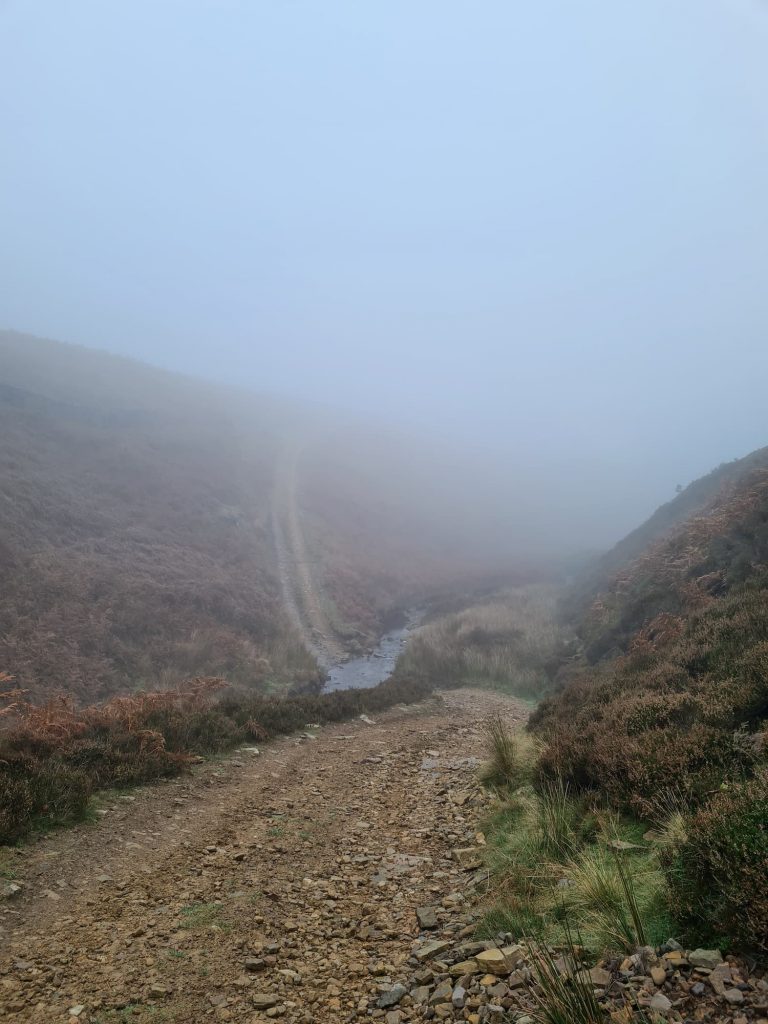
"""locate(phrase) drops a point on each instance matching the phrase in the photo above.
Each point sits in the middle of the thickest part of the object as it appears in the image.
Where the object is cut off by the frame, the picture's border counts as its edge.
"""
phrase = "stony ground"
(333, 876)
(283, 883)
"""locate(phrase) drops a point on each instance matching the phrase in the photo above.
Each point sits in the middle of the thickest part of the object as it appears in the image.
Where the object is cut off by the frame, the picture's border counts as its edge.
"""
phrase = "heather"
(54, 755)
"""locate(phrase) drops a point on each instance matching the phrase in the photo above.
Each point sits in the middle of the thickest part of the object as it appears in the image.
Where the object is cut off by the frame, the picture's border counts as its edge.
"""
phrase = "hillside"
(707, 539)
(621, 567)
(138, 525)
(669, 719)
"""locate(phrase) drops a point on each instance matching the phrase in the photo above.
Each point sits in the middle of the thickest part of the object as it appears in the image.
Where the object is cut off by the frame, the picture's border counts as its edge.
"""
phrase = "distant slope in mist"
(698, 498)
(675, 651)
(137, 538)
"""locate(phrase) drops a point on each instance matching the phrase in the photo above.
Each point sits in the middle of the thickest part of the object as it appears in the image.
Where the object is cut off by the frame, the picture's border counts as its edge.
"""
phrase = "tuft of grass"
(505, 767)
(563, 998)
(557, 819)
(597, 896)
(551, 860)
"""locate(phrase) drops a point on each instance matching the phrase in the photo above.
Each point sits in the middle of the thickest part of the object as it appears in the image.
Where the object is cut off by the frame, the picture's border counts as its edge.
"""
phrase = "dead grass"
(512, 641)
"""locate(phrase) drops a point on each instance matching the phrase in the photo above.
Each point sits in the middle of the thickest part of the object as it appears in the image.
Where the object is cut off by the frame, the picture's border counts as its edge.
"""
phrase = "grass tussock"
(54, 756)
(511, 642)
(563, 997)
(510, 755)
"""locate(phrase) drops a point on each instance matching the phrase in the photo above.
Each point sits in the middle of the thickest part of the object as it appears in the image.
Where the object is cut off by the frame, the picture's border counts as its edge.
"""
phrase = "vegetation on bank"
(511, 642)
(638, 803)
(566, 864)
(54, 756)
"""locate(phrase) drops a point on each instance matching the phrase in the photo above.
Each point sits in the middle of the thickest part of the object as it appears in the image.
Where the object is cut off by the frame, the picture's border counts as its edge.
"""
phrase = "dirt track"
(292, 875)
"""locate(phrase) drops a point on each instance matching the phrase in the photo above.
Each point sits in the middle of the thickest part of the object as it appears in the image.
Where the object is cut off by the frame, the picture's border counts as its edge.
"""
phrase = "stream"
(373, 668)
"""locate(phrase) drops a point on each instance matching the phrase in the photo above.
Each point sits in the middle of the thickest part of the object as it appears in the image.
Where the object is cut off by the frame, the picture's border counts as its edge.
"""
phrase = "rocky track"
(280, 884)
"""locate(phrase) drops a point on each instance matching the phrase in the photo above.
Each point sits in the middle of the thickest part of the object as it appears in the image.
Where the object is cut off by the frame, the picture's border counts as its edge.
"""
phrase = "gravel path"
(275, 885)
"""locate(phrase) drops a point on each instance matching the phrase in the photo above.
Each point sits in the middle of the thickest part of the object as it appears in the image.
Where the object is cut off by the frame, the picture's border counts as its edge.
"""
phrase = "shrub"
(53, 755)
(32, 790)
(717, 873)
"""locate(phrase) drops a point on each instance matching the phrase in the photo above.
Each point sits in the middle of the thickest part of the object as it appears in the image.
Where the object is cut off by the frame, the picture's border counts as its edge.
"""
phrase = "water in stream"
(373, 668)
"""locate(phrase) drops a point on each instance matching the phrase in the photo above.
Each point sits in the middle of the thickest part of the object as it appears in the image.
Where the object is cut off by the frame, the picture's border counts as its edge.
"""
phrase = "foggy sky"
(534, 231)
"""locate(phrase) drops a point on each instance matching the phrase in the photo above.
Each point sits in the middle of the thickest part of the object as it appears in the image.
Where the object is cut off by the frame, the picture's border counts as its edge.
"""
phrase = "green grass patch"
(203, 915)
(561, 865)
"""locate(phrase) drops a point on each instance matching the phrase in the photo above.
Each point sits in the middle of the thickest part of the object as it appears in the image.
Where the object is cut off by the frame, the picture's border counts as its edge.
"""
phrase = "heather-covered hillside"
(144, 538)
(667, 715)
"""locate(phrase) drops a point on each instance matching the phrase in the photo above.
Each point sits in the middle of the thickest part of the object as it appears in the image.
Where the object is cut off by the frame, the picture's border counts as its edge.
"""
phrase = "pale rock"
(264, 1001)
(659, 975)
(600, 977)
(707, 958)
(429, 950)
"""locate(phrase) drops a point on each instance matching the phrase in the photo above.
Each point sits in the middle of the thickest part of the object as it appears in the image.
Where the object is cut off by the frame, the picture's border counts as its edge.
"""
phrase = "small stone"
(427, 917)
(734, 995)
(459, 997)
(600, 977)
(429, 950)
(468, 857)
(463, 967)
(420, 995)
(255, 963)
(393, 1017)
(392, 997)
(499, 961)
(442, 993)
(698, 989)
(660, 1003)
(75, 1011)
(659, 975)
(158, 991)
(264, 1001)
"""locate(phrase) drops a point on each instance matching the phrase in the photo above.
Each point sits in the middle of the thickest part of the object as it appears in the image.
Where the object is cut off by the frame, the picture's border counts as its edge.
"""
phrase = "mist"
(528, 239)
